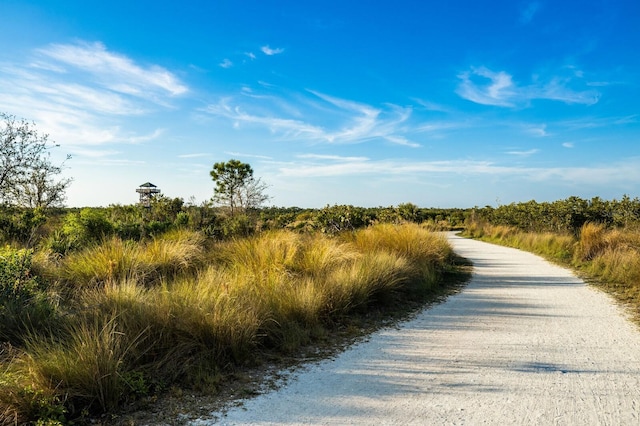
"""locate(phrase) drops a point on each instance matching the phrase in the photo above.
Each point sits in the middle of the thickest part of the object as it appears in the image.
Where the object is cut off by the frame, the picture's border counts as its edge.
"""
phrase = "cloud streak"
(486, 87)
(79, 93)
(524, 153)
(271, 52)
(597, 174)
(116, 72)
(336, 120)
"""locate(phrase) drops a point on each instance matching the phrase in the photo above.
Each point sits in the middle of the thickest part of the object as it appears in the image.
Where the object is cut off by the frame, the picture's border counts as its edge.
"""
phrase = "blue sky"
(441, 104)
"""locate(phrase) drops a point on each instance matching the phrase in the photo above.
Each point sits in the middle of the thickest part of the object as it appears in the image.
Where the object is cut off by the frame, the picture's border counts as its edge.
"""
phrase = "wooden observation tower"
(147, 191)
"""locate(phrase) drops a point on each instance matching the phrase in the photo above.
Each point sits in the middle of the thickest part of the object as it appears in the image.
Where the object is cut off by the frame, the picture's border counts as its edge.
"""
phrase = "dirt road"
(525, 343)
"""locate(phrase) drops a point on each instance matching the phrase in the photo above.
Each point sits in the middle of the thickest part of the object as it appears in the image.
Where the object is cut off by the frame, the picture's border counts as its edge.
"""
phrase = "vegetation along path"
(526, 342)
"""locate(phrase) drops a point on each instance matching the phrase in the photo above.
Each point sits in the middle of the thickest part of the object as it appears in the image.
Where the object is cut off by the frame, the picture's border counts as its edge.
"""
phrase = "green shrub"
(87, 226)
(25, 398)
(24, 306)
(335, 219)
(20, 224)
(16, 281)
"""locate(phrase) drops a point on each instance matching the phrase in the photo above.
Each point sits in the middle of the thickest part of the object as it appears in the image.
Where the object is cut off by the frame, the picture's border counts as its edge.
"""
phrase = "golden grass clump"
(371, 276)
(410, 241)
(503, 232)
(426, 252)
(322, 254)
(166, 312)
(613, 256)
(205, 313)
(620, 267)
(258, 254)
(555, 246)
(179, 322)
(282, 276)
(592, 241)
(111, 259)
(117, 259)
(174, 251)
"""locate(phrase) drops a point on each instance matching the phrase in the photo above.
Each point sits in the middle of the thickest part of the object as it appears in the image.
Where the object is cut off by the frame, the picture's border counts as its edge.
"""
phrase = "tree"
(236, 187)
(27, 175)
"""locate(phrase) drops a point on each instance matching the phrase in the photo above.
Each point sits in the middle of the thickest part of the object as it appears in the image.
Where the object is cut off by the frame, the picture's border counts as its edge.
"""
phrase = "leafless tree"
(28, 178)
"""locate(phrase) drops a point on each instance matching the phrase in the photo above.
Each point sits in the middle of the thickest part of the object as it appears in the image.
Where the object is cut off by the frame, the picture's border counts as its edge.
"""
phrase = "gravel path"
(525, 343)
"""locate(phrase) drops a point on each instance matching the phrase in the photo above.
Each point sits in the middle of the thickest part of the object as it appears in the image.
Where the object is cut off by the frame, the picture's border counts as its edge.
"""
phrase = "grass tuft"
(139, 317)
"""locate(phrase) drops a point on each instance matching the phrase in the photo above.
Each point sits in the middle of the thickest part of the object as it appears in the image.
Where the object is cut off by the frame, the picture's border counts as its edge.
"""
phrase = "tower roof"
(148, 185)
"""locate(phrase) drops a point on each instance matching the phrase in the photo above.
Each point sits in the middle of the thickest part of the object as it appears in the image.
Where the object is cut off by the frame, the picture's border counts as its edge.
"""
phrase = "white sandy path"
(525, 343)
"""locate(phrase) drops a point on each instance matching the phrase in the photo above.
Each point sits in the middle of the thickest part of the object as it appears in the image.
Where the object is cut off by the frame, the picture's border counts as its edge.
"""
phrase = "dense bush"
(16, 281)
(564, 216)
(24, 304)
(20, 225)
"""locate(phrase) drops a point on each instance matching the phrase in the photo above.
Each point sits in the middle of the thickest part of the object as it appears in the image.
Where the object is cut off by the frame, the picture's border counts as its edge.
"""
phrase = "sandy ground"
(525, 343)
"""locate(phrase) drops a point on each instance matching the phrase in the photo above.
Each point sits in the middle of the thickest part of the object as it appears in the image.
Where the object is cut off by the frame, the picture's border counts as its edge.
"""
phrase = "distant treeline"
(563, 216)
(65, 229)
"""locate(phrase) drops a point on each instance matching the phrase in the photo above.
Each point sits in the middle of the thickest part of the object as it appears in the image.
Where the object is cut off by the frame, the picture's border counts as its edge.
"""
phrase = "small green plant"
(135, 383)
(16, 281)
(46, 408)
(87, 226)
(24, 305)
(20, 224)
(336, 219)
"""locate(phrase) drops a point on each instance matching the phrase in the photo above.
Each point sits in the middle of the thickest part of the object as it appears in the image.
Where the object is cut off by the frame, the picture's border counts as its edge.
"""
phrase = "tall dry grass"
(117, 259)
(558, 247)
(425, 252)
(25, 395)
(613, 257)
(139, 317)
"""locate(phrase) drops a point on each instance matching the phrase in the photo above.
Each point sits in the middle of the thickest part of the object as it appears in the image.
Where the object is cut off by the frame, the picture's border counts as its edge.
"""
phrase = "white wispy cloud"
(557, 90)
(335, 120)
(331, 157)
(115, 71)
(595, 174)
(226, 63)
(289, 128)
(386, 167)
(568, 145)
(401, 140)
(593, 122)
(537, 130)
(245, 155)
(527, 153)
(82, 93)
(440, 126)
(138, 139)
(96, 161)
(432, 106)
(484, 86)
(499, 90)
(270, 52)
(94, 153)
